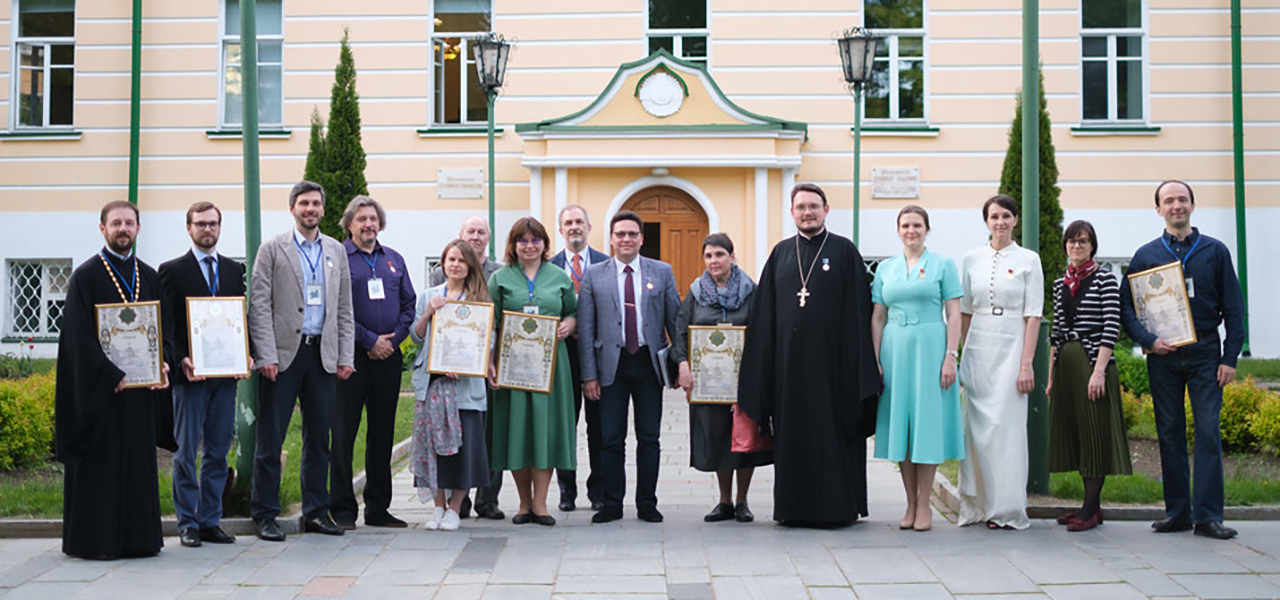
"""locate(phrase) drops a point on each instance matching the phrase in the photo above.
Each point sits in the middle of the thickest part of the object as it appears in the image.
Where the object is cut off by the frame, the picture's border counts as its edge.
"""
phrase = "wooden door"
(675, 226)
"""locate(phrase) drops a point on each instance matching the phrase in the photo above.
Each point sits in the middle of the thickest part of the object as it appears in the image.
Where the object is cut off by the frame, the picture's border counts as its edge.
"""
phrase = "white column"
(562, 199)
(762, 219)
(788, 182)
(535, 192)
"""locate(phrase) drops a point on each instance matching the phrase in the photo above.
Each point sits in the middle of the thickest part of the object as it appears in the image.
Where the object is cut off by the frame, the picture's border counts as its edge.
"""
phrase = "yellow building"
(700, 115)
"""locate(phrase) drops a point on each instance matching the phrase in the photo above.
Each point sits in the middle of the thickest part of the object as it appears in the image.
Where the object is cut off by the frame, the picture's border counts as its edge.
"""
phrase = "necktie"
(209, 275)
(629, 302)
(576, 272)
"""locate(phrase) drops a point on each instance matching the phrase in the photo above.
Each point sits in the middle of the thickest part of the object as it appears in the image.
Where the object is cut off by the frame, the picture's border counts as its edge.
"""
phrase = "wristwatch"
(954, 353)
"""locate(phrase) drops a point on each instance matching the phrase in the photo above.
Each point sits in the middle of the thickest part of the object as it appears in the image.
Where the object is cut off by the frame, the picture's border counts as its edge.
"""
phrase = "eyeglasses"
(626, 234)
(205, 224)
(529, 242)
(1078, 242)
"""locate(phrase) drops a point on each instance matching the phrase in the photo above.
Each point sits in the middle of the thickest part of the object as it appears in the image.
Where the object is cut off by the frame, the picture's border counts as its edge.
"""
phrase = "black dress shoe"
(546, 520)
(489, 511)
(464, 511)
(1172, 525)
(190, 537)
(597, 505)
(383, 520)
(269, 531)
(606, 514)
(215, 535)
(347, 523)
(722, 512)
(568, 503)
(1215, 530)
(322, 524)
(649, 514)
(522, 518)
(743, 514)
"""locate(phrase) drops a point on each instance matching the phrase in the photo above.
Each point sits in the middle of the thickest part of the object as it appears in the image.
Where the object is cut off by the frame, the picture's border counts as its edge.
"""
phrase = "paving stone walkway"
(681, 558)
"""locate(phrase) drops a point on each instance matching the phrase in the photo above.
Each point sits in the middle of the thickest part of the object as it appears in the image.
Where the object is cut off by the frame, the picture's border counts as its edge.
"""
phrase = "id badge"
(375, 289)
(531, 309)
(314, 295)
(1191, 288)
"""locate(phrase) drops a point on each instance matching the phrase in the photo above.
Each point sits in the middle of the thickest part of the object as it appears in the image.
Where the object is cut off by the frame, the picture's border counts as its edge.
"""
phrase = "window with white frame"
(45, 46)
(897, 88)
(37, 293)
(1112, 61)
(458, 98)
(679, 27)
(270, 24)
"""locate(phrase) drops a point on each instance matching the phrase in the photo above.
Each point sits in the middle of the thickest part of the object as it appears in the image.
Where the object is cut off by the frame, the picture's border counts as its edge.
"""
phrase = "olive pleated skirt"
(1085, 435)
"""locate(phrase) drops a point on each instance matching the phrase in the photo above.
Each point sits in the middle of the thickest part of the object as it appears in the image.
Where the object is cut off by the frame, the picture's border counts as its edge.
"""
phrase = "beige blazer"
(276, 303)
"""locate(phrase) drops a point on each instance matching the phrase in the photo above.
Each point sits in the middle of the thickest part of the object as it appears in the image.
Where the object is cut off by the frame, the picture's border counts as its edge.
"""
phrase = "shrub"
(1139, 414)
(1133, 372)
(26, 420)
(1264, 424)
(1240, 400)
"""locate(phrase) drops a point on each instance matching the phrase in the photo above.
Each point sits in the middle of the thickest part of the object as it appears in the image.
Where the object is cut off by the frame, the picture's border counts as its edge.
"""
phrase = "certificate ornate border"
(1179, 288)
(156, 340)
(192, 335)
(701, 341)
(550, 345)
(437, 324)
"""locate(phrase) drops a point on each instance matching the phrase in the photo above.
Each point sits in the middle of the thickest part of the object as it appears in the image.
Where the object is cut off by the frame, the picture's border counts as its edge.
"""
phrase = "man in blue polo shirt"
(1199, 370)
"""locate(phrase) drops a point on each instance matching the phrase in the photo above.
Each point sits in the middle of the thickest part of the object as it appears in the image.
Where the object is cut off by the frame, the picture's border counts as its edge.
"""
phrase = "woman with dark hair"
(1000, 320)
(1086, 419)
(918, 423)
(534, 433)
(443, 400)
(719, 296)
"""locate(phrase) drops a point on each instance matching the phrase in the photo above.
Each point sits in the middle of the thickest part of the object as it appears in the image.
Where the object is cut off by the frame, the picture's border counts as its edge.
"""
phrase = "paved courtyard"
(681, 558)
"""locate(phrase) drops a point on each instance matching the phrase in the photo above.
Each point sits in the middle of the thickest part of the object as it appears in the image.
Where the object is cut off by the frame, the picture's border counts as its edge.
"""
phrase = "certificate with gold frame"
(218, 336)
(1161, 303)
(715, 358)
(527, 352)
(460, 338)
(131, 338)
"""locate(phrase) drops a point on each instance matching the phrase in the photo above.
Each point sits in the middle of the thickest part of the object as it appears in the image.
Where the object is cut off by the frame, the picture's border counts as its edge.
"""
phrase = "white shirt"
(622, 296)
(204, 267)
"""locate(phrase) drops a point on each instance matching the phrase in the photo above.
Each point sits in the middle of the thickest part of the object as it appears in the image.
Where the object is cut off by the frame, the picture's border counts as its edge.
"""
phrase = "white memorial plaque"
(465, 184)
(895, 182)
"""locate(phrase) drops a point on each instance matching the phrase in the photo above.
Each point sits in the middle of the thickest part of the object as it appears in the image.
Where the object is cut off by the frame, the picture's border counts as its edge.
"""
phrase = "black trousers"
(569, 479)
(635, 385)
(374, 388)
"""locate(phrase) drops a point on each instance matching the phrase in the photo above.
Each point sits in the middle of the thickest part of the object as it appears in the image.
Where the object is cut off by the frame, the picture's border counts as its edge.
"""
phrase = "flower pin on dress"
(1010, 275)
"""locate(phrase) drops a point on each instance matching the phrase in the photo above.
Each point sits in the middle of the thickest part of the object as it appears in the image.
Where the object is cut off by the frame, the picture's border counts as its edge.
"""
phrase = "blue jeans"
(203, 411)
(635, 381)
(1189, 371)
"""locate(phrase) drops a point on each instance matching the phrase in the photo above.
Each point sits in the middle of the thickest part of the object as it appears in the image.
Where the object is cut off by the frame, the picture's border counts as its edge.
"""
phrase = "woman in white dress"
(1000, 321)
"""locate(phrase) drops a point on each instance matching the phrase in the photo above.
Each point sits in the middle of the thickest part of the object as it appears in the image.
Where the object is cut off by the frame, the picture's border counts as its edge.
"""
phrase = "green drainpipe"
(1237, 136)
(1037, 401)
(135, 101)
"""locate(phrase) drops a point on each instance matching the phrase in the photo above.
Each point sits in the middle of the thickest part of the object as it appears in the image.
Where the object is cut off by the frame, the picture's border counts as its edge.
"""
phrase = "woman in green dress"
(534, 433)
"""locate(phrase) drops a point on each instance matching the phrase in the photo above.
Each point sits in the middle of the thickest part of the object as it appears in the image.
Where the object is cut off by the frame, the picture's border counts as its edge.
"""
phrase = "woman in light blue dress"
(919, 423)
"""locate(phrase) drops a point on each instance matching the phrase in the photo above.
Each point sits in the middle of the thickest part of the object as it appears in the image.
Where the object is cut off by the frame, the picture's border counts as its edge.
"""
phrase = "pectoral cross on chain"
(803, 294)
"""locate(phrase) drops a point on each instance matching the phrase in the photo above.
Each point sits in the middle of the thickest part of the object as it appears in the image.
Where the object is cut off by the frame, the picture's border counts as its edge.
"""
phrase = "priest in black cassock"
(104, 434)
(809, 371)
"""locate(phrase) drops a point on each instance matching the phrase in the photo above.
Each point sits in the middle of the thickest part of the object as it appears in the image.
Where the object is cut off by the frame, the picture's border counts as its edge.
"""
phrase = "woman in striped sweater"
(1086, 420)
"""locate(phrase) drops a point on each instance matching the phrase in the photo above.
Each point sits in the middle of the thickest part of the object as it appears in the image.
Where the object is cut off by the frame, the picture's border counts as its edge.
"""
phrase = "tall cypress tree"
(1052, 258)
(336, 159)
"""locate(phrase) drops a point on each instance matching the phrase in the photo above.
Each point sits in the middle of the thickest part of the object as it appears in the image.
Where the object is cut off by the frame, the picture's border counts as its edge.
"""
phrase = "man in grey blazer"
(626, 314)
(302, 327)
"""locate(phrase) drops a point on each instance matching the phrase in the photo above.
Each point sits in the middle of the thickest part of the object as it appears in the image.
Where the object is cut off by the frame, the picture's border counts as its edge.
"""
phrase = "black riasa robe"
(107, 441)
(811, 373)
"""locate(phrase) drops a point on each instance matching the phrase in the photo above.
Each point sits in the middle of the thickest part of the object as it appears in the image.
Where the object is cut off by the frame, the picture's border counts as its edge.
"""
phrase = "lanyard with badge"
(314, 292)
(376, 292)
(531, 305)
(1191, 284)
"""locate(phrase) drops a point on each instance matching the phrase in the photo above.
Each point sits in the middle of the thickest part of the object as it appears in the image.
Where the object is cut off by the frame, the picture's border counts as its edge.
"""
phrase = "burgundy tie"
(629, 302)
(577, 272)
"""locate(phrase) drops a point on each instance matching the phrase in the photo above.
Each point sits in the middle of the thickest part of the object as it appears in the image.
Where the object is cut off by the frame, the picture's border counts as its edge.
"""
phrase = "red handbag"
(746, 434)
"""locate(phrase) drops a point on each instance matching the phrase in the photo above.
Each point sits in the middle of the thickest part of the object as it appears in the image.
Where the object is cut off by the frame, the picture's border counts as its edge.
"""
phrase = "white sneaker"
(433, 522)
(450, 521)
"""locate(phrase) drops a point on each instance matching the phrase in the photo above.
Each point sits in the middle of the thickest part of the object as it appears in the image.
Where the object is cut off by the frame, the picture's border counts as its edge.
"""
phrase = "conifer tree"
(336, 158)
(1052, 258)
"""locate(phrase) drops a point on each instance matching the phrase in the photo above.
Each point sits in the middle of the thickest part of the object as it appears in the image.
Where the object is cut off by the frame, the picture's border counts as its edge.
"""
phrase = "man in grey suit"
(626, 314)
(302, 327)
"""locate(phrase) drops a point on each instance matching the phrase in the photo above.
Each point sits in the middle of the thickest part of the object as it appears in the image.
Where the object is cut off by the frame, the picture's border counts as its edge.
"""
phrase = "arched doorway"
(675, 226)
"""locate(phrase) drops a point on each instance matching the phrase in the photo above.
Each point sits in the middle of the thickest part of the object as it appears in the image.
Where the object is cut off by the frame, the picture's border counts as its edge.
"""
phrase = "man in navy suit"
(575, 224)
(626, 314)
(203, 409)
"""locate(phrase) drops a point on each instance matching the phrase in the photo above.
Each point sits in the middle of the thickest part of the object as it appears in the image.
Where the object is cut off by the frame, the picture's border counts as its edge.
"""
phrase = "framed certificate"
(460, 338)
(130, 337)
(715, 356)
(1160, 301)
(218, 337)
(527, 352)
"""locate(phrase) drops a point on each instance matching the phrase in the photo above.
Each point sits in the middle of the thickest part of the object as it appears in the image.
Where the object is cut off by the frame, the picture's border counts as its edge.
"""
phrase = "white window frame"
(1113, 63)
(890, 38)
(435, 106)
(46, 296)
(223, 40)
(16, 67)
(677, 36)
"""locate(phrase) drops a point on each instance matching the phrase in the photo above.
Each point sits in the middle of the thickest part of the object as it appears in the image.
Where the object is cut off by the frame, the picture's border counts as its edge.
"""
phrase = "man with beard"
(383, 302)
(203, 409)
(809, 370)
(301, 325)
(575, 224)
(104, 434)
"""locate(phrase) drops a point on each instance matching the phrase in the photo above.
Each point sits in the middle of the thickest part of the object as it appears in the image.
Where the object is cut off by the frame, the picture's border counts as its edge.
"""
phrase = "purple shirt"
(394, 313)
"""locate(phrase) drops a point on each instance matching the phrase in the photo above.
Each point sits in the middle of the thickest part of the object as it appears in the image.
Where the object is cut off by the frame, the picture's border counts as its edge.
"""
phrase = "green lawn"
(37, 492)
(1262, 369)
